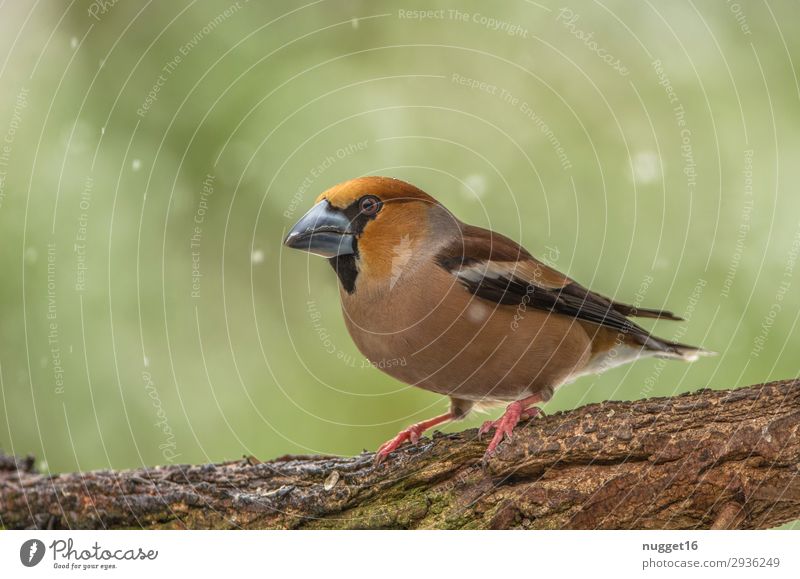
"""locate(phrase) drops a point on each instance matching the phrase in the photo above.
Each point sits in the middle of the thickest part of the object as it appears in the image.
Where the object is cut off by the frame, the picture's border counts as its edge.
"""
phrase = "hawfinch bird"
(470, 313)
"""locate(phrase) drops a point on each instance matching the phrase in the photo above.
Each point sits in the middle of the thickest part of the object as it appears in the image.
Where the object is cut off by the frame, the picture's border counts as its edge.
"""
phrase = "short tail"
(676, 351)
(659, 347)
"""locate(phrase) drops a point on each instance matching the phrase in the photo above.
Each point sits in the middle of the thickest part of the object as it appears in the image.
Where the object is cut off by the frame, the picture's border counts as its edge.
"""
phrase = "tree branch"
(710, 459)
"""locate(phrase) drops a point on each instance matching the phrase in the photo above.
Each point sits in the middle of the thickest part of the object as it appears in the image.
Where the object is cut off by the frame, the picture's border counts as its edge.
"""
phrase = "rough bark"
(710, 459)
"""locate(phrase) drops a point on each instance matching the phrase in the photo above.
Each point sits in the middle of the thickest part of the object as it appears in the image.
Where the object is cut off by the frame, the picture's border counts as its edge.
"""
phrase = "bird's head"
(363, 223)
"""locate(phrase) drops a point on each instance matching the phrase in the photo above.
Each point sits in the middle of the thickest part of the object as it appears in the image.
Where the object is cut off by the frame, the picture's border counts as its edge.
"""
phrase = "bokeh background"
(153, 155)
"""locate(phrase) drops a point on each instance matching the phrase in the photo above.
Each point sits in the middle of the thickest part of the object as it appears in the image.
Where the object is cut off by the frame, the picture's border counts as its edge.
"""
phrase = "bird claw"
(504, 426)
(486, 427)
(412, 434)
(531, 413)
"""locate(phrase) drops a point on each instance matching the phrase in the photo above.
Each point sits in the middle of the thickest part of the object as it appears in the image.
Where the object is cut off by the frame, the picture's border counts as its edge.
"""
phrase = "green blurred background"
(152, 156)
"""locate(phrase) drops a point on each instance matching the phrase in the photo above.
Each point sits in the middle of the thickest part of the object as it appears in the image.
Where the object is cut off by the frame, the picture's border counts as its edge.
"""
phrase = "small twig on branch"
(710, 459)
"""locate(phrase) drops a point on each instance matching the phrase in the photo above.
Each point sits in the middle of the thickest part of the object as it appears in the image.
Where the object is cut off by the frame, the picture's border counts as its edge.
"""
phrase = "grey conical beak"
(324, 231)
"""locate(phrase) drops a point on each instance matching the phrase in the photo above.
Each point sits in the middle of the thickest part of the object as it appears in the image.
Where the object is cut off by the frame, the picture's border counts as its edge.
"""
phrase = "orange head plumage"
(361, 223)
(387, 189)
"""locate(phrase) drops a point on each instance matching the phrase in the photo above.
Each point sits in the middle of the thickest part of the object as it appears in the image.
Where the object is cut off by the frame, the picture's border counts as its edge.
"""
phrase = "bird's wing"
(495, 268)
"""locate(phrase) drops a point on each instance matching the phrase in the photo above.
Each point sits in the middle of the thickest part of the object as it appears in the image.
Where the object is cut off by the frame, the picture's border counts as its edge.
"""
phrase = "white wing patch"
(401, 255)
(526, 271)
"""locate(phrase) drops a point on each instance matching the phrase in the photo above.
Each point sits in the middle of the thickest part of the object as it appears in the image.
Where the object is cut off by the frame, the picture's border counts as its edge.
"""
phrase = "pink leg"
(411, 433)
(504, 426)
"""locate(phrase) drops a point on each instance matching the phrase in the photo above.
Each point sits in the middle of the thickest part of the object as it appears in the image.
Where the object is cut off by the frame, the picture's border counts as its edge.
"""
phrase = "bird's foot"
(411, 433)
(504, 426)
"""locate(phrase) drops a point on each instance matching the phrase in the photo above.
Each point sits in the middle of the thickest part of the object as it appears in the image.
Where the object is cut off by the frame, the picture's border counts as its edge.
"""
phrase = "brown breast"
(427, 330)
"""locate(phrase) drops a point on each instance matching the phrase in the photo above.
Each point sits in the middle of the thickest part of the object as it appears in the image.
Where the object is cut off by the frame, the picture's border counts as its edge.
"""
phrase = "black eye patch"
(362, 211)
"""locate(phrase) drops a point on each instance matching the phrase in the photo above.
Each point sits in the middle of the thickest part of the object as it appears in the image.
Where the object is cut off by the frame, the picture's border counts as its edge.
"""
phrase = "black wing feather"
(562, 296)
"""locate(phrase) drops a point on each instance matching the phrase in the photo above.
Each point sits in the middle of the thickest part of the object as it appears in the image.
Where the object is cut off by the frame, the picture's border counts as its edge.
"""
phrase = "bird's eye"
(369, 205)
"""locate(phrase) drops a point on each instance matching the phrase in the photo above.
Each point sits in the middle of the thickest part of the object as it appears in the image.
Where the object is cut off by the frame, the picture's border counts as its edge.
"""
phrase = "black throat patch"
(345, 267)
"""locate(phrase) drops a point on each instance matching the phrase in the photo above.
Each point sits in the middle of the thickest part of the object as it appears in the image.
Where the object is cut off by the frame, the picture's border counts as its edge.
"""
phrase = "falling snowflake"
(475, 186)
(257, 256)
(646, 168)
(31, 255)
(136, 164)
(477, 313)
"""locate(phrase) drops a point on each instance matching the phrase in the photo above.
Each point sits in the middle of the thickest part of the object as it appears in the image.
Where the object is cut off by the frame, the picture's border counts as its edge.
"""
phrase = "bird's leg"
(411, 433)
(504, 426)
